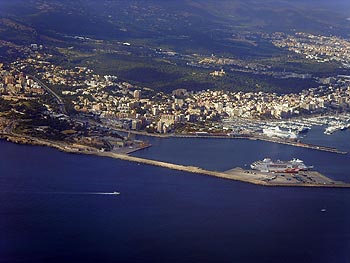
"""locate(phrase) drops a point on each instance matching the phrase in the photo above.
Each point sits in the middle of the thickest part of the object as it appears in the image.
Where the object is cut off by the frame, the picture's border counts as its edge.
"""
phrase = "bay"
(52, 208)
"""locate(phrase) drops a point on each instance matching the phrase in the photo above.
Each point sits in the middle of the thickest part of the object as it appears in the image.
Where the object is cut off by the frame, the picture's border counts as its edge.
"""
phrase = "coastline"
(236, 174)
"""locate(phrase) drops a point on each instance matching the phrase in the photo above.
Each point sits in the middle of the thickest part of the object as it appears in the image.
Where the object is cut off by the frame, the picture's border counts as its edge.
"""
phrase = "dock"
(302, 178)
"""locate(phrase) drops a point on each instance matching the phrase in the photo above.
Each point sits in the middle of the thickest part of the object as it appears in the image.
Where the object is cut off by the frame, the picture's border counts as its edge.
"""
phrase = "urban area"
(85, 105)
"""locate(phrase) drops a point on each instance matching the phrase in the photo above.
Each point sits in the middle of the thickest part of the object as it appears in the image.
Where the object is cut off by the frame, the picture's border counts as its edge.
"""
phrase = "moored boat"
(292, 166)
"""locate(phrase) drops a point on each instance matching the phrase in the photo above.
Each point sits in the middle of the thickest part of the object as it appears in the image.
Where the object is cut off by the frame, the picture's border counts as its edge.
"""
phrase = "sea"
(62, 207)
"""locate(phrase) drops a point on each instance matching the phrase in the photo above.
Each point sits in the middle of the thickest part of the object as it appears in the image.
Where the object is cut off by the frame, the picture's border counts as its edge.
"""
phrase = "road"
(58, 98)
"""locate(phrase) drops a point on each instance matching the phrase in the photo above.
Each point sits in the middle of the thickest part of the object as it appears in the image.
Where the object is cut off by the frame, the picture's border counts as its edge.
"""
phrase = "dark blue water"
(47, 215)
(225, 154)
(339, 139)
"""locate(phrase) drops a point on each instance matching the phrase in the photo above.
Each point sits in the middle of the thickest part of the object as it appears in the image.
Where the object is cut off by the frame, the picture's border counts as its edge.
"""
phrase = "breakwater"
(310, 179)
(254, 177)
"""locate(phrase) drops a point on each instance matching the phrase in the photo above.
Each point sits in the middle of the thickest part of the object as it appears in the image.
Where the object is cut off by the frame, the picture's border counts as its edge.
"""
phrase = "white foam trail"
(68, 193)
(84, 193)
(92, 193)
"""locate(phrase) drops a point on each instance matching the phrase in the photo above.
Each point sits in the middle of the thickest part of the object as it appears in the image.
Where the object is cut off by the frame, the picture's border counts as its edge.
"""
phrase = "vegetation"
(4, 105)
(92, 33)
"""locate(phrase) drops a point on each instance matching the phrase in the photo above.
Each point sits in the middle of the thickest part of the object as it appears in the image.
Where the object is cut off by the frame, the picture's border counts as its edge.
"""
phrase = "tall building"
(136, 124)
(137, 94)
(160, 126)
(179, 92)
(9, 79)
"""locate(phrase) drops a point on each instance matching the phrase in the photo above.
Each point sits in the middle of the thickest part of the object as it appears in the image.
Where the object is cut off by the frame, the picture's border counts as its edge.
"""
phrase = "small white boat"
(323, 210)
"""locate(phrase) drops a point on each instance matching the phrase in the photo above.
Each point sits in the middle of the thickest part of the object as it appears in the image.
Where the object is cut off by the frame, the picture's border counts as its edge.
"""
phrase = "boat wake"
(67, 193)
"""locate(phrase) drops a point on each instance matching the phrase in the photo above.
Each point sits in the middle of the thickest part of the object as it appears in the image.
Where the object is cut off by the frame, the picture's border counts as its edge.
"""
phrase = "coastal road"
(58, 98)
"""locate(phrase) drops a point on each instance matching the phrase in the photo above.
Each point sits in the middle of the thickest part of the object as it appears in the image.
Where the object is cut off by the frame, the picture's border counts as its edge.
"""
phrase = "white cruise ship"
(292, 166)
(277, 132)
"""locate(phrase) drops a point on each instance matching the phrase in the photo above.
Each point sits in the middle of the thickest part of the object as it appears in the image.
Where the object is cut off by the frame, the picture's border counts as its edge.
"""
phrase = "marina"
(289, 128)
